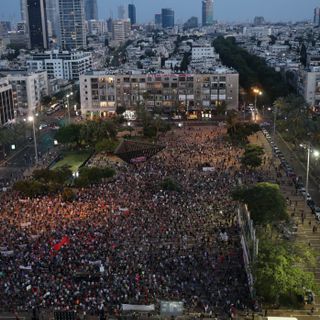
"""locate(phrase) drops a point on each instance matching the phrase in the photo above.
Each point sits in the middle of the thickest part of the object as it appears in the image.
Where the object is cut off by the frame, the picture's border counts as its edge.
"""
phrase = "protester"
(130, 241)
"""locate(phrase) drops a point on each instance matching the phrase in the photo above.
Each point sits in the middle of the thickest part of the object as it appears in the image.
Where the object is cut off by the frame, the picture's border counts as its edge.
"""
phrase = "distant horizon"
(227, 11)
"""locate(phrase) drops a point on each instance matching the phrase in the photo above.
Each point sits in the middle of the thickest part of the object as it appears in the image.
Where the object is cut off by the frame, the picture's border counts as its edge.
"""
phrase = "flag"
(65, 240)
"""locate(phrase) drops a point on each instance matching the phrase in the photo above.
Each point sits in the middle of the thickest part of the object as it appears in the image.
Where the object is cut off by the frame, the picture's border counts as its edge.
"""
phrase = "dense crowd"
(129, 241)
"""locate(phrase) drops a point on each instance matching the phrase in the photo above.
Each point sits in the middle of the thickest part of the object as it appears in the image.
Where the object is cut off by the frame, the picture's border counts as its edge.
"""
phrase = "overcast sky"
(224, 10)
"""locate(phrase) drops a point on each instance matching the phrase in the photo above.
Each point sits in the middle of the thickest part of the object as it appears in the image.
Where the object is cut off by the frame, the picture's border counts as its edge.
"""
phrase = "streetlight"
(257, 93)
(31, 119)
(68, 105)
(316, 154)
(274, 122)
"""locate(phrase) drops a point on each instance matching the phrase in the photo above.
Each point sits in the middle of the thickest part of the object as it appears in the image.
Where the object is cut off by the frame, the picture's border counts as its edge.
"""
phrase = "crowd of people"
(131, 241)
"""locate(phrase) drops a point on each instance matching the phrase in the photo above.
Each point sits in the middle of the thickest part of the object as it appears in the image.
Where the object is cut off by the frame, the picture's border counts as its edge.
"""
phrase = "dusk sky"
(225, 10)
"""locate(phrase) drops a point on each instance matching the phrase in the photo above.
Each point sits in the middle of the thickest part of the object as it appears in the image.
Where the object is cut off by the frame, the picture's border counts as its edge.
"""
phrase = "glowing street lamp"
(316, 154)
(68, 105)
(31, 119)
(257, 93)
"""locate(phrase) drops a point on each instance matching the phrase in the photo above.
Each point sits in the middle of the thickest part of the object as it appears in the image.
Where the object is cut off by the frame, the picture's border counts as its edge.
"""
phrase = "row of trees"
(46, 181)
(100, 134)
(238, 131)
(279, 271)
(253, 70)
(296, 121)
(89, 176)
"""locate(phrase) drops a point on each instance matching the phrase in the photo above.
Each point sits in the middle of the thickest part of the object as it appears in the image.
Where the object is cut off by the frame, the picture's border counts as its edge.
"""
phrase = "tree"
(88, 176)
(221, 108)
(69, 134)
(240, 131)
(253, 70)
(252, 157)
(265, 202)
(185, 62)
(68, 194)
(107, 145)
(303, 54)
(279, 274)
(58, 176)
(30, 188)
(120, 110)
(232, 120)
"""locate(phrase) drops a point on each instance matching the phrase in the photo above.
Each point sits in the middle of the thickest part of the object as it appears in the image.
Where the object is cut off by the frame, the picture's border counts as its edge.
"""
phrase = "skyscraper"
(23, 10)
(91, 9)
(158, 20)
(316, 17)
(53, 18)
(191, 23)
(72, 24)
(132, 13)
(207, 12)
(37, 24)
(167, 18)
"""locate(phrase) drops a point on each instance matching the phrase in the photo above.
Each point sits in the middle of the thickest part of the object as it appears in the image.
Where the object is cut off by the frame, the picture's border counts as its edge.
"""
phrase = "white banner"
(136, 307)
(98, 262)
(28, 268)
(206, 169)
(9, 253)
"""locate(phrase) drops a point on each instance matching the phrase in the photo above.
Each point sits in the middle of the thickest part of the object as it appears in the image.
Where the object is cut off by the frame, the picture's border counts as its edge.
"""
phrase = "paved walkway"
(305, 234)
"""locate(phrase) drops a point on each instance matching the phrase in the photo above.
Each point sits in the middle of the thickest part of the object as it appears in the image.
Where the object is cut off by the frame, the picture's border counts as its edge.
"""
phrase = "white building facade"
(102, 92)
(28, 90)
(61, 65)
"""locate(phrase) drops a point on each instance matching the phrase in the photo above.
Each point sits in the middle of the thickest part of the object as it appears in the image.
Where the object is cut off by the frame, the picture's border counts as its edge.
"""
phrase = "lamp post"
(316, 154)
(274, 122)
(68, 106)
(31, 119)
(257, 93)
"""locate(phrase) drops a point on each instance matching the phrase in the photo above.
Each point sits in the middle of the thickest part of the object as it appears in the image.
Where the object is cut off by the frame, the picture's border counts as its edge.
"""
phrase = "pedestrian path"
(308, 231)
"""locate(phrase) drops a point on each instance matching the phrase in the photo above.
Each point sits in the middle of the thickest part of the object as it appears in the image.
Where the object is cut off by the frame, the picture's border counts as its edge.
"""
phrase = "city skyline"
(227, 10)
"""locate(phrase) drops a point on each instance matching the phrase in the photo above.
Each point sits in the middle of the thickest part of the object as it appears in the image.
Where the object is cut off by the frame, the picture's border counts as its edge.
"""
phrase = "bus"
(55, 107)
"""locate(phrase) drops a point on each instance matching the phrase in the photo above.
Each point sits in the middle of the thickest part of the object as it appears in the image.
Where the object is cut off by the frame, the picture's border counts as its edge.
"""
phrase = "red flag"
(59, 245)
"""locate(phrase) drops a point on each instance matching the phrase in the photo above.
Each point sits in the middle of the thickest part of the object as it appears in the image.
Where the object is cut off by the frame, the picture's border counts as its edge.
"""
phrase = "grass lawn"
(72, 159)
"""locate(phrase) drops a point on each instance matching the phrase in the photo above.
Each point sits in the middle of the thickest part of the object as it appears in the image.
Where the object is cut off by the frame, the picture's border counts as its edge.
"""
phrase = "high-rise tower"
(167, 18)
(207, 12)
(316, 17)
(72, 24)
(91, 9)
(132, 13)
(52, 9)
(37, 24)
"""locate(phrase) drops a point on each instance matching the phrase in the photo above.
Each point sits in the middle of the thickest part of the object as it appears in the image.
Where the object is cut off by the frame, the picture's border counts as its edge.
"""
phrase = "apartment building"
(65, 65)
(102, 92)
(28, 90)
(308, 85)
(6, 102)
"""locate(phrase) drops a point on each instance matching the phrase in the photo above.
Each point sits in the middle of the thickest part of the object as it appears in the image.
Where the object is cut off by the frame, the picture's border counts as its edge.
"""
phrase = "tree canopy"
(265, 202)
(279, 274)
(253, 70)
(252, 157)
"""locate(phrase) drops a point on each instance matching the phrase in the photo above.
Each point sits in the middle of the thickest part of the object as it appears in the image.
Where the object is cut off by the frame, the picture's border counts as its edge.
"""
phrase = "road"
(299, 167)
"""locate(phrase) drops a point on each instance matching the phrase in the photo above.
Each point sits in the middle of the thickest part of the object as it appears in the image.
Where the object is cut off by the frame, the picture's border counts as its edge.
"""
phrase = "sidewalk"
(296, 204)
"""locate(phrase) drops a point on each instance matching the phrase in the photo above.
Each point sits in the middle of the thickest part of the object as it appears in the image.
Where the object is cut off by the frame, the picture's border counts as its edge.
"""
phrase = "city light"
(30, 118)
